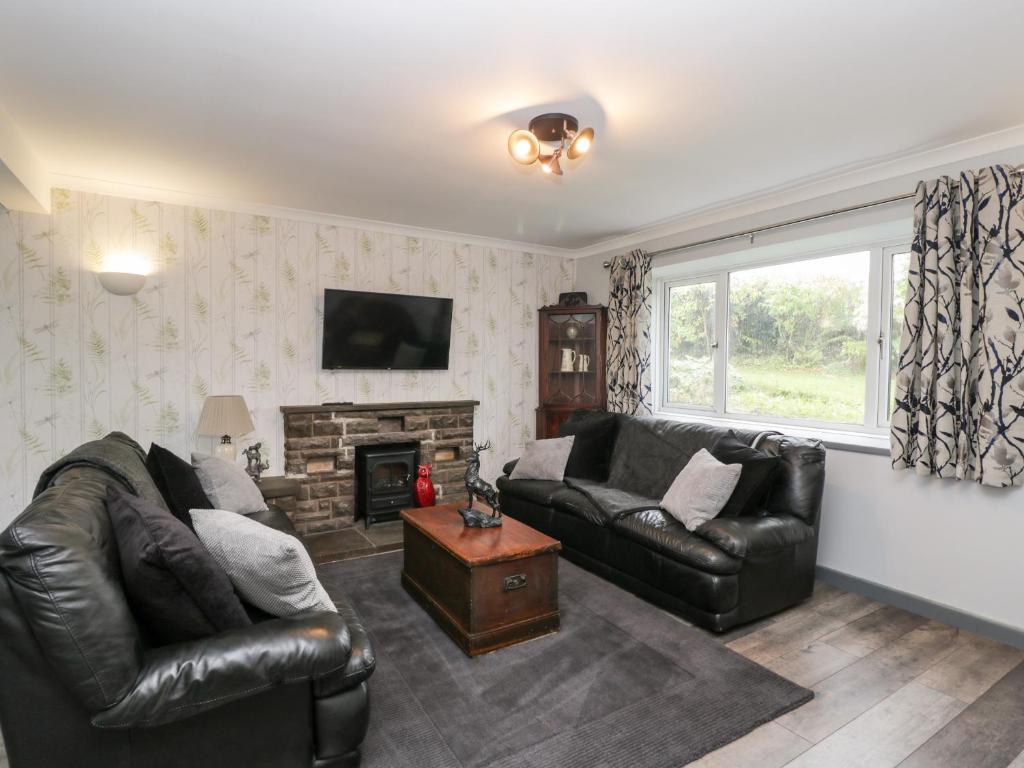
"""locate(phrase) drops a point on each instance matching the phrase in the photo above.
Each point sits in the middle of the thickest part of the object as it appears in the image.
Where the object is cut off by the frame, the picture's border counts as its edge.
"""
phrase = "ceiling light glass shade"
(583, 141)
(523, 146)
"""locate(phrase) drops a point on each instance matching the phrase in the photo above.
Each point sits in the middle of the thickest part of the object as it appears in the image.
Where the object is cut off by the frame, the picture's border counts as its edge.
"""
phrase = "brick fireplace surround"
(320, 446)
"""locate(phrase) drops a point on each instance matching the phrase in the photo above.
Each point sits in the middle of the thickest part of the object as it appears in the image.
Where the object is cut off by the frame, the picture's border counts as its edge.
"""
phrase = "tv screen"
(385, 331)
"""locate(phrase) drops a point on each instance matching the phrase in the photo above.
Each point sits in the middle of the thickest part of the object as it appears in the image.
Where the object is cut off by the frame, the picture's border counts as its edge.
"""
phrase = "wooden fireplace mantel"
(355, 407)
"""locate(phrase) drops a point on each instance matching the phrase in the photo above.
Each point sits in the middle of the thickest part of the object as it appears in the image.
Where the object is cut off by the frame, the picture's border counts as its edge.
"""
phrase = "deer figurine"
(479, 489)
(254, 464)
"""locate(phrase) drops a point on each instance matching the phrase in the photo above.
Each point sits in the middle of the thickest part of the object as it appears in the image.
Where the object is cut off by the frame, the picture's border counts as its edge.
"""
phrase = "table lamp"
(225, 416)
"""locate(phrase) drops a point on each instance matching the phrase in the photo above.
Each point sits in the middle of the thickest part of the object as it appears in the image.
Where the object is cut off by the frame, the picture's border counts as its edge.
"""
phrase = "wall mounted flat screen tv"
(385, 331)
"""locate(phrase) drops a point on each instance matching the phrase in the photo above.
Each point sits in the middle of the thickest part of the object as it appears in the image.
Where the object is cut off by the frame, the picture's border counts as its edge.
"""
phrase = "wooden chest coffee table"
(488, 588)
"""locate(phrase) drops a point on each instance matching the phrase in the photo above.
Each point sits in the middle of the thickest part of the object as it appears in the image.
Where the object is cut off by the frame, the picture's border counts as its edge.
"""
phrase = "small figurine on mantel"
(426, 494)
(479, 489)
(254, 463)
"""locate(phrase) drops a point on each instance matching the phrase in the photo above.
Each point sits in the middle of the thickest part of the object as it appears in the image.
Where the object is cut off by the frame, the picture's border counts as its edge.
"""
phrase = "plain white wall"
(949, 542)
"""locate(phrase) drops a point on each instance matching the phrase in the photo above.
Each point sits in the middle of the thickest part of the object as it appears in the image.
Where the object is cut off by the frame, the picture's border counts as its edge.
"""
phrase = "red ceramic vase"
(426, 496)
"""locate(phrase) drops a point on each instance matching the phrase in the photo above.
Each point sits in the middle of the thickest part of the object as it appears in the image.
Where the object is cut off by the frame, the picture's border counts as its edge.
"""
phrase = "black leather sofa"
(731, 570)
(80, 687)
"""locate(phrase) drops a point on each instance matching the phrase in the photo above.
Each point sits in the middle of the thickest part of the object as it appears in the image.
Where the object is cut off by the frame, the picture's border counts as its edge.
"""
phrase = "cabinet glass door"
(572, 360)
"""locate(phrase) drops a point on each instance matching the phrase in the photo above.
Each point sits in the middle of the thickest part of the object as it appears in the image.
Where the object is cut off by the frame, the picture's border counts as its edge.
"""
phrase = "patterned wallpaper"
(233, 306)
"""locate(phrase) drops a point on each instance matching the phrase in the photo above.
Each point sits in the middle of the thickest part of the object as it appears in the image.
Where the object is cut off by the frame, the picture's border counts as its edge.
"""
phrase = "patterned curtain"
(629, 334)
(959, 409)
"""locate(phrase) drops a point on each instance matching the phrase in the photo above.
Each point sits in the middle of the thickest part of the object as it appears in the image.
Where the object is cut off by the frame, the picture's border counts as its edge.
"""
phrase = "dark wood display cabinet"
(572, 364)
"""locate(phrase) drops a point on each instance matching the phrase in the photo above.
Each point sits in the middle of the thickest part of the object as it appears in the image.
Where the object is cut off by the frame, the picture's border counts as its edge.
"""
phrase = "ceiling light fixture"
(554, 130)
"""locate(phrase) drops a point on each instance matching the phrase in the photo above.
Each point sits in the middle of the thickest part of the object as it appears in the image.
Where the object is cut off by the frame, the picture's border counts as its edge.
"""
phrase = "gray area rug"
(622, 683)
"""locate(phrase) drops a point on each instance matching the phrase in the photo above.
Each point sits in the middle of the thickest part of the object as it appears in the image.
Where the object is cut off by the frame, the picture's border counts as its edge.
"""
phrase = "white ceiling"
(399, 111)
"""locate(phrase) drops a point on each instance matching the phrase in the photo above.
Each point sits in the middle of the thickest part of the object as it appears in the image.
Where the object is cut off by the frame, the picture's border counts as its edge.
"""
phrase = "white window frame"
(872, 434)
(884, 340)
(663, 339)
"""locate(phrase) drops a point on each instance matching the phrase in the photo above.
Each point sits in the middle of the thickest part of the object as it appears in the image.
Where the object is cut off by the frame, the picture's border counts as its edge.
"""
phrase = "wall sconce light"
(124, 272)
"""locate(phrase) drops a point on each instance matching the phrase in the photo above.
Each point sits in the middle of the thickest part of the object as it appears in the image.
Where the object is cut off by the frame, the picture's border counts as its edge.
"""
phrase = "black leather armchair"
(82, 688)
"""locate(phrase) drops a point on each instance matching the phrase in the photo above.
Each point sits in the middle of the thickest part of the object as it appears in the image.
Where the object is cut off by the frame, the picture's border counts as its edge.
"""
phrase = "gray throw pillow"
(270, 569)
(227, 485)
(544, 459)
(701, 490)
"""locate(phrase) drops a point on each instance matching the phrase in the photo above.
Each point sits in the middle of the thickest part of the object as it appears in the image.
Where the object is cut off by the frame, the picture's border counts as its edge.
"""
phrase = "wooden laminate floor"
(891, 689)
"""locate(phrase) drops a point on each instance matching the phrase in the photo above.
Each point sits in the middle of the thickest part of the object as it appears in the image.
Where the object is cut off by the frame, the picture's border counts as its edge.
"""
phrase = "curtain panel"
(629, 334)
(959, 395)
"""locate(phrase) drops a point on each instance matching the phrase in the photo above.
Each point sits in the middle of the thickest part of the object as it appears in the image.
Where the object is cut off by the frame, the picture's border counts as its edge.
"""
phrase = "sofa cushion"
(591, 454)
(228, 485)
(756, 478)
(269, 568)
(537, 491)
(700, 490)
(173, 584)
(544, 459)
(649, 453)
(178, 483)
(577, 504)
(660, 531)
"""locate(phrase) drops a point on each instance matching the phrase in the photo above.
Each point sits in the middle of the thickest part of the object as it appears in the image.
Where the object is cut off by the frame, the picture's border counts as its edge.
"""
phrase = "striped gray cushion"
(270, 569)
(227, 485)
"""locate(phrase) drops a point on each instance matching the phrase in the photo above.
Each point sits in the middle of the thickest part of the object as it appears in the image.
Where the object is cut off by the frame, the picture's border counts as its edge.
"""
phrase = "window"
(798, 339)
(691, 340)
(810, 340)
(899, 265)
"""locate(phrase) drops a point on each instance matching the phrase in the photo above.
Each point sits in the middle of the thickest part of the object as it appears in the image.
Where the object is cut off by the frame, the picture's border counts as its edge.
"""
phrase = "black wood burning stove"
(385, 476)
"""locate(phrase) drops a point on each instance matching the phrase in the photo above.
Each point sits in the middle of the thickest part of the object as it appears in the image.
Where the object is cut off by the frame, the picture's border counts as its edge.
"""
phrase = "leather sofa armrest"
(751, 536)
(275, 517)
(509, 466)
(184, 679)
(361, 661)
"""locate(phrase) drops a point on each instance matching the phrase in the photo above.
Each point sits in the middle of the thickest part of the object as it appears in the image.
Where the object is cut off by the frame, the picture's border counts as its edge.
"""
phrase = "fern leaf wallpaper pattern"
(233, 306)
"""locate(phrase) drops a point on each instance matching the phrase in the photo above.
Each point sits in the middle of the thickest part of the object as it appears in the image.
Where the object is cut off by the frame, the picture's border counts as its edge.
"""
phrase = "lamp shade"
(225, 415)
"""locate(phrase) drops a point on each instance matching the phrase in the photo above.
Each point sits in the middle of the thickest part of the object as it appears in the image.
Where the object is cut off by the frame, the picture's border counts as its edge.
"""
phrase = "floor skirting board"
(954, 616)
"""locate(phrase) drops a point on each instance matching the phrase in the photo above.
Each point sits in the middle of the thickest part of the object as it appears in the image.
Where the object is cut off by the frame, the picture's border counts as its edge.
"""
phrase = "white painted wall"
(950, 542)
(954, 543)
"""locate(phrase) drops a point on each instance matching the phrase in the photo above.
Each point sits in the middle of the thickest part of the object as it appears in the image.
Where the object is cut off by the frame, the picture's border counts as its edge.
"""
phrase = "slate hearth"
(348, 543)
(320, 447)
